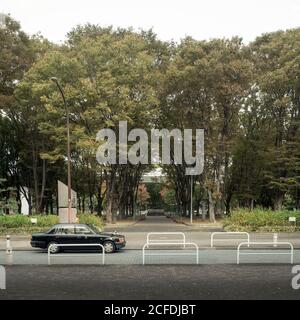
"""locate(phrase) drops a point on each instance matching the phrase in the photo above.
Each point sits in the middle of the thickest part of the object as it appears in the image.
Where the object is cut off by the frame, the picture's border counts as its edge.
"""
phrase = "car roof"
(69, 224)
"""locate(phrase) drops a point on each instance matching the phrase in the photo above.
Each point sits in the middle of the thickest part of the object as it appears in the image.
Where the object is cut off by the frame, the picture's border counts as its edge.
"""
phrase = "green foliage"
(18, 220)
(245, 97)
(20, 224)
(261, 220)
(155, 200)
(91, 219)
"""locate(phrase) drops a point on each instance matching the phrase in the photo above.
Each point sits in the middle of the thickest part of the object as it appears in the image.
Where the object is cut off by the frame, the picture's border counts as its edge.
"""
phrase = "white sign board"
(63, 203)
(292, 219)
(24, 202)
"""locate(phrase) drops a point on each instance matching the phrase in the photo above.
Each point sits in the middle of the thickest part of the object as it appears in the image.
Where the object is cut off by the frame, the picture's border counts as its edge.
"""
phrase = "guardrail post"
(144, 253)
(150, 241)
(238, 254)
(248, 237)
(169, 243)
(8, 245)
(228, 233)
(291, 253)
(275, 239)
(76, 245)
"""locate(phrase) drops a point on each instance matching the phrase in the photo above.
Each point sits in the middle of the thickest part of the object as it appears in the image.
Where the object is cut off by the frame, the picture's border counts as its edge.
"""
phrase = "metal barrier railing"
(291, 252)
(75, 255)
(212, 239)
(170, 243)
(182, 239)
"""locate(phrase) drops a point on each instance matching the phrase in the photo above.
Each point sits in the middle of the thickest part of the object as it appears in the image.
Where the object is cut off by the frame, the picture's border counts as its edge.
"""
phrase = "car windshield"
(50, 231)
(96, 229)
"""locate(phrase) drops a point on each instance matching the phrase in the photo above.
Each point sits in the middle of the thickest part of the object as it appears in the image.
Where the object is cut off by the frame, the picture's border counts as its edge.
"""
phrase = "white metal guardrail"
(291, 252)
(75, 255)
(182, 239)
(212, 237)
(146, 245)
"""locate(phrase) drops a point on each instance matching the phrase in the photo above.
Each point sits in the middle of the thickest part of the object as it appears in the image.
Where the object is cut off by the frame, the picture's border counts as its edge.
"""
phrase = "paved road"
(134, 257)
(149, 282)
(153, 224)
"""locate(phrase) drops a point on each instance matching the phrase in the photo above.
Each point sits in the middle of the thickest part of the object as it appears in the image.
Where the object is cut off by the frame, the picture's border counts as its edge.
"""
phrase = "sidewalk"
(198, 223)
(17, 242)
(120, 224)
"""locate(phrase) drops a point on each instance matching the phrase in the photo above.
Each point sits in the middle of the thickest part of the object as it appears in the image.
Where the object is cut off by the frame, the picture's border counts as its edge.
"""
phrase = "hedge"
(20, 224)
(262, 221)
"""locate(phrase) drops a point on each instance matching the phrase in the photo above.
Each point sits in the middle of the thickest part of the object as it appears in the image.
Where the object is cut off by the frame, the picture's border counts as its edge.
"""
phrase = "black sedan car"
(77, 234)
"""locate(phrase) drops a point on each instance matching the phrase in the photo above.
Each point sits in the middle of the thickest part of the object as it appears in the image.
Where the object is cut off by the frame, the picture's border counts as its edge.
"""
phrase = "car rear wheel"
(109, 247)
(53, 247)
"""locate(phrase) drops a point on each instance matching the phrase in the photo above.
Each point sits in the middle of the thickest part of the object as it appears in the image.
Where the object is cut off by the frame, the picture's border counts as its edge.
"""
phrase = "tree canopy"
(245, 97)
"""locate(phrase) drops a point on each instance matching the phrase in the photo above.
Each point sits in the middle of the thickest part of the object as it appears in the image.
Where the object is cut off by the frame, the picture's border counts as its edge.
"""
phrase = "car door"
(85, 235)
(65, 234)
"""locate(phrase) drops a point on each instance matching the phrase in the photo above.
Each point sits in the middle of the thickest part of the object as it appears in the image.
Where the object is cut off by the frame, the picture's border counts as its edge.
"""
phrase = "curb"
(124, 225)
(198, 226)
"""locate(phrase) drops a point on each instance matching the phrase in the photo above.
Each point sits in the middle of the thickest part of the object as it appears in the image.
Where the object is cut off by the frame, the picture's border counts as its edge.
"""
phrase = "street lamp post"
(55, 80)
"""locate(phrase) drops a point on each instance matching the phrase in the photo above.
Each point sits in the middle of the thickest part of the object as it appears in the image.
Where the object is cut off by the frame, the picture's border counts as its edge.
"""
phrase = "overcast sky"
(170, 19)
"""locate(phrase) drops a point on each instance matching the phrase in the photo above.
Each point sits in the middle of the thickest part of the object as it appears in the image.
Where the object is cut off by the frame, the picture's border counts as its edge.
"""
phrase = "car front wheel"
(54, 248)
(109, 247)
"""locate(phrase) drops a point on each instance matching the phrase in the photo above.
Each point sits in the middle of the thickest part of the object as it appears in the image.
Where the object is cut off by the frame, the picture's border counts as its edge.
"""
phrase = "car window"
(96, 229)
(65, 230)
(83, 230)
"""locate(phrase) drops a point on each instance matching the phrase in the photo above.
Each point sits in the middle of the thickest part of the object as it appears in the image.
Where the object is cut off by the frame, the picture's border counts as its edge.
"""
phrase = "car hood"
(38, 234)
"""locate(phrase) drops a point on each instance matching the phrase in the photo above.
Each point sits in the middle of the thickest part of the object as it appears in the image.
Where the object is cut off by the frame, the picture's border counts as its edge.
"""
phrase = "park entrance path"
(151, 224)
(136, 234)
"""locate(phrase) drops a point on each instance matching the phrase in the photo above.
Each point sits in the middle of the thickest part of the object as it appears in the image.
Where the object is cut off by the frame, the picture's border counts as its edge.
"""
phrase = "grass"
(262, 221)
(21, 225)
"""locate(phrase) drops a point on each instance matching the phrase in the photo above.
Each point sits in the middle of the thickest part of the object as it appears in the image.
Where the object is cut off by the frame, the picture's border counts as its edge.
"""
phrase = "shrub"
(261, 220)
(90, 219)
(20, 224)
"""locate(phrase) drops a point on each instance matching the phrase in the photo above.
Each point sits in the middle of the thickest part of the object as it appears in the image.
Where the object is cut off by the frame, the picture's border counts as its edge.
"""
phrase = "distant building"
(154, 176)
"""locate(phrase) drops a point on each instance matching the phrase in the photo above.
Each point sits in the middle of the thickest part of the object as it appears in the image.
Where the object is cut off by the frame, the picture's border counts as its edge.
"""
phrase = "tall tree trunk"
(41, 197)
(29, 202)
(108, 207)
(203, 211)
(99, 202)
(212, 203)
(83, 204)
(110, 195)
(278, 201)
(35, 182)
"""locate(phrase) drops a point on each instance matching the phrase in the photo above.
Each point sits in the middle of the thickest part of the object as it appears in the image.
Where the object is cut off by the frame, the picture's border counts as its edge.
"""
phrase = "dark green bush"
(19, 224)
(261, 220)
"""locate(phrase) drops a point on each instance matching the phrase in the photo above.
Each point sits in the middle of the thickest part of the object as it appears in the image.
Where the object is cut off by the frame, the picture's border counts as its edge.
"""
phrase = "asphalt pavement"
(157, 256)
(158, 282)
